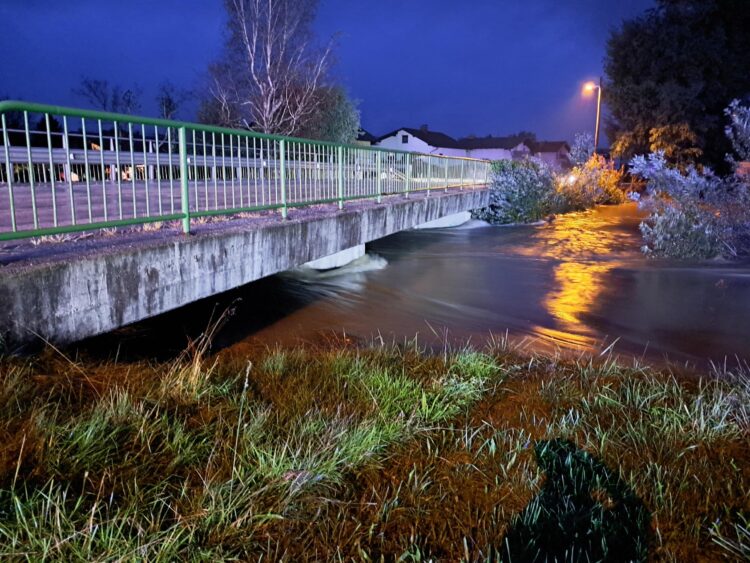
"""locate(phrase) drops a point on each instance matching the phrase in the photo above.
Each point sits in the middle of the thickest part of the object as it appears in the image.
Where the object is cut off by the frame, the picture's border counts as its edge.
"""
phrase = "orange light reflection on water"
(585, 248)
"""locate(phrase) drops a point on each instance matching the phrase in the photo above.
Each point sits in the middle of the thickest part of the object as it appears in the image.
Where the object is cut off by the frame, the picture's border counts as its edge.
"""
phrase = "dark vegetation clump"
(344, 453)
(584, 512)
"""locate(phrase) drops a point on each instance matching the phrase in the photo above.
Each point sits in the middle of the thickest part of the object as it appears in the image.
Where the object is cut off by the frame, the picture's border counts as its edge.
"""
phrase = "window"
(404, 139)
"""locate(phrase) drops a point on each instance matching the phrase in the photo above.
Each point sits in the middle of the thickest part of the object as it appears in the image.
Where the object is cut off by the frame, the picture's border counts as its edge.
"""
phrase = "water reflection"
(577, 286)
(585, 249)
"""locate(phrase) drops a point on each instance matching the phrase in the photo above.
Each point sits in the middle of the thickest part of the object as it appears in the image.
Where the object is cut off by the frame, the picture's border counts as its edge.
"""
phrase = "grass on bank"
(363, 454)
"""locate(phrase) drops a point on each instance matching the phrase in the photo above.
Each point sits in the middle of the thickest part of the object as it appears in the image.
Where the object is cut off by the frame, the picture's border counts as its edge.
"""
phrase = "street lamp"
(589, 88)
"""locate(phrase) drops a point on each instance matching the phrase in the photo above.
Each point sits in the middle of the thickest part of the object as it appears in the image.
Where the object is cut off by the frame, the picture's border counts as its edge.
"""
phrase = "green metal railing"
(65, 170)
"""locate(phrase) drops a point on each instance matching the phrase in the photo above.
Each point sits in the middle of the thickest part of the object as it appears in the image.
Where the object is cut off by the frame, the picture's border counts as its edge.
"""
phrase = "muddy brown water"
(579, 282)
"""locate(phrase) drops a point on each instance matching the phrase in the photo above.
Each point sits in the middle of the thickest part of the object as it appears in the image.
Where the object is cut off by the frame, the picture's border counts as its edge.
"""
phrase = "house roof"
(432, 138)
(489, 142)
(364, 135)
(548, 146)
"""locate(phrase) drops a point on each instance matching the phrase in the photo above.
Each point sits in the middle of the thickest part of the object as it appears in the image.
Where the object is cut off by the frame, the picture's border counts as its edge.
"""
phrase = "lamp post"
(588, 88)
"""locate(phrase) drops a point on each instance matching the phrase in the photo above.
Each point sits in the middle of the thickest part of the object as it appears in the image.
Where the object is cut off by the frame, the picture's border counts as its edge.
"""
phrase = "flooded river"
(579, 282)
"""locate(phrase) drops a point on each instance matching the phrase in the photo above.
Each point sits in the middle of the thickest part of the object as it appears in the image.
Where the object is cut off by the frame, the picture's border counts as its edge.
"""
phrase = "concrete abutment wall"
(64, 301)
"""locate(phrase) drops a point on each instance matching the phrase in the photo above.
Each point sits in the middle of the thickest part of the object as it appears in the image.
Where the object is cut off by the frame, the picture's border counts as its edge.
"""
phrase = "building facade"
(555, 154)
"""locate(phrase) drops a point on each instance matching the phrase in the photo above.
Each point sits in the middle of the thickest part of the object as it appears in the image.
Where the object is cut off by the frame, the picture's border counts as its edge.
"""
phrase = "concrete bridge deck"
(67, 291)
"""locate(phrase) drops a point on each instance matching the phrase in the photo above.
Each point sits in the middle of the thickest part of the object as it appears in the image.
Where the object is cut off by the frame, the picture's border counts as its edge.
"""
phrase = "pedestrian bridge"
(95, 208)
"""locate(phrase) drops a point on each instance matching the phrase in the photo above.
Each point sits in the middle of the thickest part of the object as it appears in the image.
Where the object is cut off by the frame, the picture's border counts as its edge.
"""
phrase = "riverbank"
(341, 452)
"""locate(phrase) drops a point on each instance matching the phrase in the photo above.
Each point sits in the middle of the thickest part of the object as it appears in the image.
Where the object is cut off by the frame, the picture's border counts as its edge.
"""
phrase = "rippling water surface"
(577, 282)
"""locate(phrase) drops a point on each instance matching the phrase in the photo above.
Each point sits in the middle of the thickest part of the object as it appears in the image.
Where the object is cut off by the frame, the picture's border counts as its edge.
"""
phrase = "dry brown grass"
(350, 453)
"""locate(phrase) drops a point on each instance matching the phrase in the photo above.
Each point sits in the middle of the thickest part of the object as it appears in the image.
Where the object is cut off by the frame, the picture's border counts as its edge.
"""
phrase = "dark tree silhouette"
(671, 72)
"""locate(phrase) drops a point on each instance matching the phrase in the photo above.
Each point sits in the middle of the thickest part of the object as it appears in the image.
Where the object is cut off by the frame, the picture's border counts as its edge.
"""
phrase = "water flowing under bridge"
(95, 206)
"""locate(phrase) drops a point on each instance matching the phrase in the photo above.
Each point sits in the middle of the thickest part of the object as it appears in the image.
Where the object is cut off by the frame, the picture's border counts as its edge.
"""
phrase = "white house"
(433, 142)
(421, 140)
(555, 153)
(495, 148)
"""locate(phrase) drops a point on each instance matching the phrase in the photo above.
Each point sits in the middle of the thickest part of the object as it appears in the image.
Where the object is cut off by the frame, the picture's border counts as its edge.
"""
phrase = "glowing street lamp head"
(589, 87)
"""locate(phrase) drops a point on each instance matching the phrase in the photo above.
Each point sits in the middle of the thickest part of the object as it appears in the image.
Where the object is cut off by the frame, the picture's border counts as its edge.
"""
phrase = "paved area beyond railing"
(64, 170)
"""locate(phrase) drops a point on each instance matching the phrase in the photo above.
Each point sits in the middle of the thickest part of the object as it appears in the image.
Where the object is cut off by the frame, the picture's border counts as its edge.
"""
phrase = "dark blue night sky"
(463, 67)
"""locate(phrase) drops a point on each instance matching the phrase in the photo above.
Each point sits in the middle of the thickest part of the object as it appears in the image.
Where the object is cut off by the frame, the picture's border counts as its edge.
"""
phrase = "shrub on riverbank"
(527, 191)
(595, 182)
(685, 211)
(520, 192)
(695, 214)
(367, 453)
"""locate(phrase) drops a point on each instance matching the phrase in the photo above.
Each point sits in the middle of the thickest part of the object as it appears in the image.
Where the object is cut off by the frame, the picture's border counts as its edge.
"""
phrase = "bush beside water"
(695, 214)
(520, 192)
(527, 191)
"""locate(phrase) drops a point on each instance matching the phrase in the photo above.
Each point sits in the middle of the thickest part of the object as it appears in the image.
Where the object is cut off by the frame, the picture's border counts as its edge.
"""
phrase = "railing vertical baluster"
(265, 157)
(104, 169)
(51, 170)
(31, 169)
(331, 174)
(205, 174)
(224, 170)
(255, 169)
(195, 172)
(68, 170)
(316, 173)
(429, 174)
(158, 168)
(86, 167)
(409, 180)
(282, 172)
(9, 170)
(275, 170)
(213, 171)
(298, 170)
(341, 176)
(132, 170)
(293, 176)
(268, 170)
(145, 170)
(378, 172)
(247, 167)
(117, 168)
(309, 183)
(298, 163)
(171, 168)
(184, 182)
(231, 165)
(302, 167)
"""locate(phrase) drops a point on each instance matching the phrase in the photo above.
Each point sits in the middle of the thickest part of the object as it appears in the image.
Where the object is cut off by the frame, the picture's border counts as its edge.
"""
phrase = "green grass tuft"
(384, 452)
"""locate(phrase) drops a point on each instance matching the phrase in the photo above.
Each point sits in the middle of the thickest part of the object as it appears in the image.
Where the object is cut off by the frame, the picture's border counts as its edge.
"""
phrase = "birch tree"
(271, 69)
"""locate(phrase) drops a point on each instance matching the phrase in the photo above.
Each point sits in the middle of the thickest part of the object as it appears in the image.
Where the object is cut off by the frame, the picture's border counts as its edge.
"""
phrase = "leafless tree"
(169, 98)
(271, 70)
(101, 95)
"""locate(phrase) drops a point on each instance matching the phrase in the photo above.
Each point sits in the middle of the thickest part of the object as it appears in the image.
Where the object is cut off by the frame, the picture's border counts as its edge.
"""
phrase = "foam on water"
(472, 224)
(366, 263)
